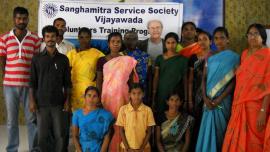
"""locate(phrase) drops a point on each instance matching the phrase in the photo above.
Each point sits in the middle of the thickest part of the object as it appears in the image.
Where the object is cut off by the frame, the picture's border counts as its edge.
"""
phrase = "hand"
(67, 107)
(32, 106)
(208, 103)
(215, 103)
(261, 120)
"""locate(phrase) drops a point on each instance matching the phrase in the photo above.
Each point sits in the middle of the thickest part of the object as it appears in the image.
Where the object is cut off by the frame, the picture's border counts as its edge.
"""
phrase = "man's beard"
(21, 26)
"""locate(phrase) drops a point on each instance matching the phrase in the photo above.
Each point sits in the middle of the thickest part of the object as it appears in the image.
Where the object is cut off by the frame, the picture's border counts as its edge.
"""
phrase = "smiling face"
(50, 39)
(155, 29)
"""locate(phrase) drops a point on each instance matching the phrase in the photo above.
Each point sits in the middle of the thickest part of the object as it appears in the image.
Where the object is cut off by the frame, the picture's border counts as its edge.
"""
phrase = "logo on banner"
(50, 10)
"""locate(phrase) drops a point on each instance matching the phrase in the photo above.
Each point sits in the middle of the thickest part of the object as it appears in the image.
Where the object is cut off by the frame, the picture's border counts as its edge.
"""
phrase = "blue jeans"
(13, 97)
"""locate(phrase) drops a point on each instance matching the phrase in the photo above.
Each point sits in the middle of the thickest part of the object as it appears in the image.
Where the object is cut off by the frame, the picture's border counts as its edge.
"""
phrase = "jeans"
(13, 97)
(50, 120)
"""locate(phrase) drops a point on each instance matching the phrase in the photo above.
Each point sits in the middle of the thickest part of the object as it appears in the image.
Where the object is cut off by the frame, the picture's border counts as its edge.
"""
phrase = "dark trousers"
(67, 121)
(50, 119)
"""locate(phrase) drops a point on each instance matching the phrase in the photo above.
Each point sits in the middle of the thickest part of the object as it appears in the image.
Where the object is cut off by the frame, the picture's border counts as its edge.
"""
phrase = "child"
(173, 131)
(135, 121)
(91, 125)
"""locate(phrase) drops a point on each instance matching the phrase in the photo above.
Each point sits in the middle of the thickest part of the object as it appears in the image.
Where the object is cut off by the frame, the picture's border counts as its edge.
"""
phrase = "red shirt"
(18, 57)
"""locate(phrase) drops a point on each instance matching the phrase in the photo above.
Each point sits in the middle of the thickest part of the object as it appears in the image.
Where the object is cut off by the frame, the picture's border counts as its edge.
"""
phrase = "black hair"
(85, 30)
(49, 29)
(114, 34)
(180, 94)
(59, 19)
(172, 35)
(20, 10)
(206, 33)
(221, 29)
(188, 23)
(92, 88)
(135, 86)
(131, 32)
(261, 30)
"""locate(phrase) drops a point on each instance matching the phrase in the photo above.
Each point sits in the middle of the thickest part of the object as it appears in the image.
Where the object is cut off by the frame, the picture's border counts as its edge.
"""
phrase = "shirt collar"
(130, 108)
(61, 43)
(13, 34)
(45, 52)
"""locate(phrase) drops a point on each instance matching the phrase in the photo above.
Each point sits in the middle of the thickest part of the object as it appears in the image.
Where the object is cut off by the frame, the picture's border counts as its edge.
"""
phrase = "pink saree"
(116, 73)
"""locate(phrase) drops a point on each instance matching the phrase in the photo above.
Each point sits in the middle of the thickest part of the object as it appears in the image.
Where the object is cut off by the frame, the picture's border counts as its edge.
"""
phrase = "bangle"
(262, 110)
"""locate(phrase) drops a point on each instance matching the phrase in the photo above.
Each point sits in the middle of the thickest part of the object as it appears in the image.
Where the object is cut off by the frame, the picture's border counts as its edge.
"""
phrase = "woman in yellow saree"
(83, 62)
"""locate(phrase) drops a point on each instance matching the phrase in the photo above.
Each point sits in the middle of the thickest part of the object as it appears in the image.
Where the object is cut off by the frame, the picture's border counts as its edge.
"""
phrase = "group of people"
(166, 95)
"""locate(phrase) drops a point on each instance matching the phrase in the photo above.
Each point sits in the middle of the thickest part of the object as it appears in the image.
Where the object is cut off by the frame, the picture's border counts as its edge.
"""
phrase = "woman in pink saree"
(116, 75)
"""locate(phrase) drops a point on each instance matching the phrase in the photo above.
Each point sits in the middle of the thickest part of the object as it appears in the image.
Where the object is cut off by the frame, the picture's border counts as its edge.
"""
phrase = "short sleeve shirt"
(135, 123)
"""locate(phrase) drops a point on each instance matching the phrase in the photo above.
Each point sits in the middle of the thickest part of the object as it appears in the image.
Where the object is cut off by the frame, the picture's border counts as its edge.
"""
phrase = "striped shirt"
(18, 57)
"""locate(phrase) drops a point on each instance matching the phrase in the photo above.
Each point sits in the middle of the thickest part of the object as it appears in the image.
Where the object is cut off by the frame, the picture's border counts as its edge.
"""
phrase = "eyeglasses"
(253, 35)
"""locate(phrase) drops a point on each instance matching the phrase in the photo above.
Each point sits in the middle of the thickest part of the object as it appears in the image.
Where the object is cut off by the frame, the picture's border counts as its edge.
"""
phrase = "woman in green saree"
(170, 72)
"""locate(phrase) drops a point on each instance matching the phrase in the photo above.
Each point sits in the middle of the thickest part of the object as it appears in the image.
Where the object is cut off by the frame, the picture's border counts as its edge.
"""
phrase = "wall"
(238, 15)
(241, 13)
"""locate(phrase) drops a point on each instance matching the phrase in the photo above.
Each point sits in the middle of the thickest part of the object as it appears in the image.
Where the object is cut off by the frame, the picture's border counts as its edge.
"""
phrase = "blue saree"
(220, 71)
(93, 127)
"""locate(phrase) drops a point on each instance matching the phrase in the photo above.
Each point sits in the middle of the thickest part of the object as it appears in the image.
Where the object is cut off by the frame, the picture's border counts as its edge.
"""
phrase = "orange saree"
(190, 50)
(252, 85)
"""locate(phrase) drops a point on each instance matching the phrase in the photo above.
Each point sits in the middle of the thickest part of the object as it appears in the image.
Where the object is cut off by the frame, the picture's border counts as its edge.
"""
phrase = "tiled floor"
(23, 139)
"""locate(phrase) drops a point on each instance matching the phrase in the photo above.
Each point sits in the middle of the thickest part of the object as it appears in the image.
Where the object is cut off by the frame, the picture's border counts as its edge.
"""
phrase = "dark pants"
(50, 119)
(67, 121)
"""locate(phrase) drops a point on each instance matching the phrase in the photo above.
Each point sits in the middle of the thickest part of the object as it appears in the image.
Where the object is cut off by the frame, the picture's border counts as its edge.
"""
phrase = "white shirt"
(63, 47)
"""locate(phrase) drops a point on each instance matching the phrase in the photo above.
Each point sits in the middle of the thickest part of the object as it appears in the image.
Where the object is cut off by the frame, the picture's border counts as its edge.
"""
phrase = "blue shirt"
(93, 127)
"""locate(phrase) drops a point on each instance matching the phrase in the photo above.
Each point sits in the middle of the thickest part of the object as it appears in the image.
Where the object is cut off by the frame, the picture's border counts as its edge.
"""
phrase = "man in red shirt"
(17, 48)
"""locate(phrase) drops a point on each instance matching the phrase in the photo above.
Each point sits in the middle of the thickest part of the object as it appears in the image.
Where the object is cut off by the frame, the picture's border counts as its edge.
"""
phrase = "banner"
(106, 17)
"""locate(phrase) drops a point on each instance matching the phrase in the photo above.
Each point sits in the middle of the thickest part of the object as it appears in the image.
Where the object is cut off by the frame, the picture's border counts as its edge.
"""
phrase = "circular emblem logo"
(50, 10)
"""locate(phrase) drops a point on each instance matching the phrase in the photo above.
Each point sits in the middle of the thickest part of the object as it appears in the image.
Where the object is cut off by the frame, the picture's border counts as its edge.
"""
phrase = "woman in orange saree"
(246, 128)
(189, 45)
(116, 74)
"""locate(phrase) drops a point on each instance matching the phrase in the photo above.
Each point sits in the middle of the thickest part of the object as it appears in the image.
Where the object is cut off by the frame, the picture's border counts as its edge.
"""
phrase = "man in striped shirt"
(17, 48)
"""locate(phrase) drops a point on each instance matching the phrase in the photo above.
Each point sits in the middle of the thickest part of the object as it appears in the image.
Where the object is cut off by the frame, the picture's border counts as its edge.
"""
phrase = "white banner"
(104, 18)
